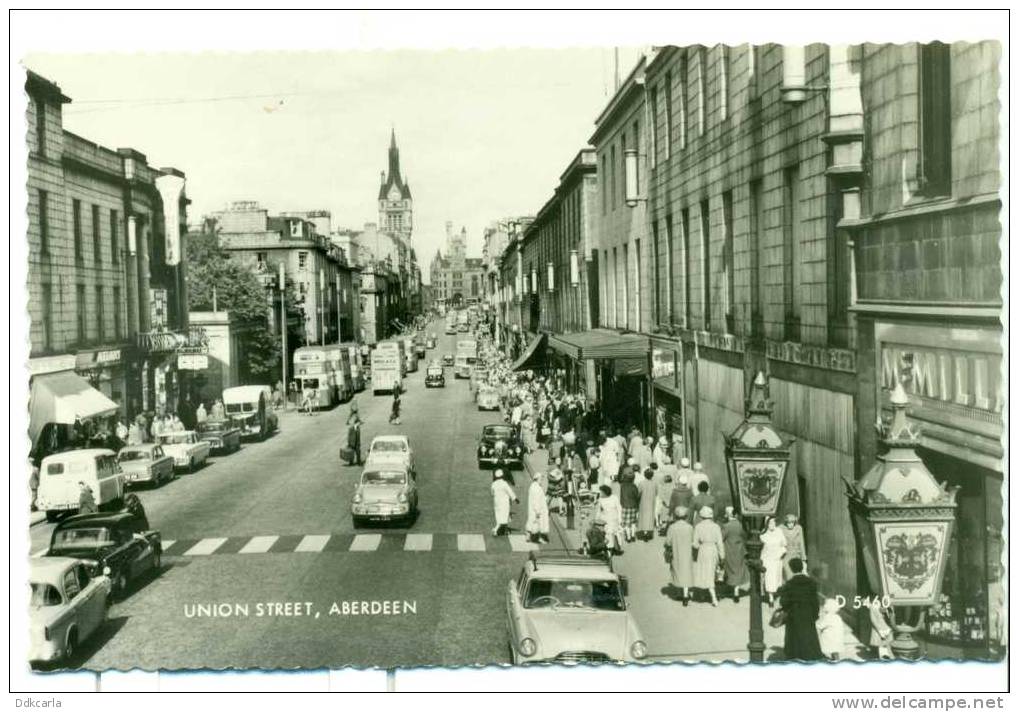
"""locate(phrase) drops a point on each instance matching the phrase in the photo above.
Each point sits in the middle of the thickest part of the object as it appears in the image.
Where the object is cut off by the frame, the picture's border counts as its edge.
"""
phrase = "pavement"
(698, 632)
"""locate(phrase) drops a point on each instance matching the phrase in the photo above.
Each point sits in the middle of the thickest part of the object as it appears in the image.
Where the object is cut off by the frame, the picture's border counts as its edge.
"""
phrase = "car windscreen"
(242, 407)
(389, 446)
(554, 593)
(174, 439)
(129, 455)
(384, 478)
(80, 538)
(503, 432)
(212, 426)
(435, 372)
(44, 594)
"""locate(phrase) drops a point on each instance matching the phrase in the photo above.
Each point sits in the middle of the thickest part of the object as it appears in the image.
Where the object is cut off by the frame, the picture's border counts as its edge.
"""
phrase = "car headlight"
(528, 647)
(401, 497)
(357, 498)
(638, 650)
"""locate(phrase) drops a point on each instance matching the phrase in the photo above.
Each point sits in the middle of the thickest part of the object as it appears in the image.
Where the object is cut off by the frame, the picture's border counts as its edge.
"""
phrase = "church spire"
(394, 158)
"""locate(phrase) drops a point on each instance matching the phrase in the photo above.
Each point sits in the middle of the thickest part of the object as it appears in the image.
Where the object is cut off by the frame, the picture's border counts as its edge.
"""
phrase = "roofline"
(36, 84)
(620, 99)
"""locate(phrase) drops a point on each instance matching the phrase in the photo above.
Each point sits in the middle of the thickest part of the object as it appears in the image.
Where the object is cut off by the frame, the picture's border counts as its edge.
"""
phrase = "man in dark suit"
(799, 598)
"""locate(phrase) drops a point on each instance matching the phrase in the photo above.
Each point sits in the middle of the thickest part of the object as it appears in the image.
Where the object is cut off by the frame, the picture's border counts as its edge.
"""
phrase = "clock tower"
(395, 204)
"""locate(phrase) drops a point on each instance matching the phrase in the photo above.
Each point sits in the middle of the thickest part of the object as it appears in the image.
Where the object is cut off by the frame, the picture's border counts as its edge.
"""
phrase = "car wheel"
(120, 585)
(71, 646)
(191, 466)
(157, 560)
(357, 522)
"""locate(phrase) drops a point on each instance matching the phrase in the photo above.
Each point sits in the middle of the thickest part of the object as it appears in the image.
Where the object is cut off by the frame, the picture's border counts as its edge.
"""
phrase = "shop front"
(953, 379)
(109, 370)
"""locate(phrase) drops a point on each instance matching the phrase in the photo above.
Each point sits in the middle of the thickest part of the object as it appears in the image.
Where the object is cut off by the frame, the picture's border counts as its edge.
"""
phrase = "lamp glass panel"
(760, 485)
(911, 560)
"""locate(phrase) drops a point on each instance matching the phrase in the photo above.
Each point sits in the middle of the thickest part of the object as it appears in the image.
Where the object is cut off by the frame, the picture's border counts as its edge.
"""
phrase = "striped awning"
(601, 344)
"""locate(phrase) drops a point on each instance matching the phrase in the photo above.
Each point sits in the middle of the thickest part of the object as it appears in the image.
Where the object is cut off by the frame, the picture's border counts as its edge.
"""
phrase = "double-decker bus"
(339, 366)
(313, 372)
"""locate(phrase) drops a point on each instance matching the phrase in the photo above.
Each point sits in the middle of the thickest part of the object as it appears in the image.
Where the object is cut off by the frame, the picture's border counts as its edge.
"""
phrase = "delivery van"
(59, 475)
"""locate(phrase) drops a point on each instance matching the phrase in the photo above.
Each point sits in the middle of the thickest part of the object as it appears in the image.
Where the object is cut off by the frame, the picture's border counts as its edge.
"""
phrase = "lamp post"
(903, 523)
(283, 328)
(757, 457)
(321, 307)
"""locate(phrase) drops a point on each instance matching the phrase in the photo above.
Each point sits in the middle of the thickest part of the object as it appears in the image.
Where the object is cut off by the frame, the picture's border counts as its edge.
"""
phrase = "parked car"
(390, 449)
(117, 544)
(249, 407)
(221, 435)
(60, 473)
(500, 445)
(68, 605)
(435, 377)
(188, 452)
(145, 463)
(431, 341)
(488, 398)
(571, 609)
(385, 493)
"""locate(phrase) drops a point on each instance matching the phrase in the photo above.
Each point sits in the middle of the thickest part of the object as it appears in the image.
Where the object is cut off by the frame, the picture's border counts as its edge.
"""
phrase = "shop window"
(935, 119)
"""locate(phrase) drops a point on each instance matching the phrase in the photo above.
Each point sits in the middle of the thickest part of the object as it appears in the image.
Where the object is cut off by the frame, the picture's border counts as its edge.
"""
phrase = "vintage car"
(420, 349)
(488, 397)
(500, 445)
(431, 341)
(221, 435)
(385, 493)
(479, 376)
(68, 605)
(435, 377)
(566, 609)
(447, 359)
(250, 408)
(59, 474)
(390, 449)
(188, 452)
(146, 464)
(117, 544)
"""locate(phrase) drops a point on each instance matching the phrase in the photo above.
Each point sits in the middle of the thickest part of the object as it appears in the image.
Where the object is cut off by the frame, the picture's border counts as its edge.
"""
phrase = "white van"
(59, 475)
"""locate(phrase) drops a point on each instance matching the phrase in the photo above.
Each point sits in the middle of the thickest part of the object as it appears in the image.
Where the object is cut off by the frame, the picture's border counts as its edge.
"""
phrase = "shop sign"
(51, 364)
(663, 363)
(97, 359)
(192, 362)
(967, 378)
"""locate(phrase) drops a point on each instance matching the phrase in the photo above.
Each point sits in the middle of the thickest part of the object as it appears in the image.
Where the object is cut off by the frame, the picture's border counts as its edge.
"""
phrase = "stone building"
(106, 284)
(456, 278)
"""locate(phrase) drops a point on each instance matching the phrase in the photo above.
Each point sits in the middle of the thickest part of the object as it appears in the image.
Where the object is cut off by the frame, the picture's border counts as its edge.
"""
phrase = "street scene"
(721, 380)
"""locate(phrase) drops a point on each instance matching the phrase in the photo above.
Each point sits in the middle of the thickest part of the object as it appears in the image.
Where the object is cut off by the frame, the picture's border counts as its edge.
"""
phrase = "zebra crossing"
(349, 543)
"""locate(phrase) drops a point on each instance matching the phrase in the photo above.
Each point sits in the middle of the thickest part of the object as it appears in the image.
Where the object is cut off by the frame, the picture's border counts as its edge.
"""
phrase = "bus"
(313, 372)
(410, 355)
(396, 348)
(339, 364)
(356, 365)
(385, 370)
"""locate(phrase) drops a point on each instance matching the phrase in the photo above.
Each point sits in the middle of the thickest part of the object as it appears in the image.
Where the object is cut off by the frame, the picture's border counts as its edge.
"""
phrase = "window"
(702, 60)
(668, 115)
(76, 218)
(100, 314)
(612, 276)
(40, 127)
(636, 282)
(728, 270)
(295, 228)
(654, 128)
(756, 227)
(656, 284)
(81, 308)
(612, 192)
(723, 82)
(706, 261)
(669, 291)
(44, 222)
(684, 105)
(636, 147)
(260, 261)
(935, 124)
(687, 265)
(114, 237)
(46, 321)
(96, 242)
(604, 180)
(752, 73)
(118, 330)
(302, 261)
(792, 282)
(837, 264)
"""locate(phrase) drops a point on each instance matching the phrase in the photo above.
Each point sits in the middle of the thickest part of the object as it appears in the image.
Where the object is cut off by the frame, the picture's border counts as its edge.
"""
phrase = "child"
(831, 630)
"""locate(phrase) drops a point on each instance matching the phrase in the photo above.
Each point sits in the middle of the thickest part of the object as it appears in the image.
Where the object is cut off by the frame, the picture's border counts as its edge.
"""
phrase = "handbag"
(778, 618)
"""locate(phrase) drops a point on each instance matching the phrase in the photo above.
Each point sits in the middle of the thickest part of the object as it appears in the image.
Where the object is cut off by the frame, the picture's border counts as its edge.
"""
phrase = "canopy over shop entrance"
(64, 398)
(601, 344)
(533, 355)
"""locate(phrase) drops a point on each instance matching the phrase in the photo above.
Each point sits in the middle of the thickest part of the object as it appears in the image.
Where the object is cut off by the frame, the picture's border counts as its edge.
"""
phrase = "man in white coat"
(502, 496)
(537, 511)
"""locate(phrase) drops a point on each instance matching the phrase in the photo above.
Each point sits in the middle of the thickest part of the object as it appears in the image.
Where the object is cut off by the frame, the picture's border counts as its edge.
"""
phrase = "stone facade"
(455, 277)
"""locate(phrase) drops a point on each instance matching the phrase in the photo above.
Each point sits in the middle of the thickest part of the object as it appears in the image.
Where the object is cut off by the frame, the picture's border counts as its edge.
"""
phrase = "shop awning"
(601, 343)
(64, 398)
(533, 355)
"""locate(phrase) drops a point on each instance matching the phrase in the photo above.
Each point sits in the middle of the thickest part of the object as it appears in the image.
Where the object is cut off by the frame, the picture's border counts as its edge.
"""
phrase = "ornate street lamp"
(574, 268)
(757, 457)
(903, 523)
(550, 268)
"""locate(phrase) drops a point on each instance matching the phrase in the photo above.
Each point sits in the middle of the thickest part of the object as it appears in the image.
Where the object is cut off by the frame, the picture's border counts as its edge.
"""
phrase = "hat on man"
(498, 474)
(680, 512)
(706, 512)
(697, 467)
(684, 462)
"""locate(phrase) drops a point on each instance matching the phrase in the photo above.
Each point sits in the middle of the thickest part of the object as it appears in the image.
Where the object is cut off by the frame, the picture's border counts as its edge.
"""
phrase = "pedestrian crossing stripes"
(349, 543)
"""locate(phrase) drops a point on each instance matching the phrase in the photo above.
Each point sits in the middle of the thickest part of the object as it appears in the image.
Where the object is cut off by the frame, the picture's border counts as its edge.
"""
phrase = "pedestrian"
(636, 440)
(798, 598)
(736, 575)
(354, 441)
(796, 547)
(218, 411)
(682, 495)
(135, 435)
(201, 415)
(661, 452)
(609, 469)
(772, 553)
(664, 490)
(555, 445)
(679, 553)
(537, 511)
(86, 500)
(593, 464)
(648, 506)
(702, 499)
(609, 510)
(831, 631)
(121, 430)
(394, 413)
(306, 402)
(698, 476)
(354, 415)
(641, 452)
(880, 629)
(707, 540)
(629, 501)
(313, 405)
(502, 496)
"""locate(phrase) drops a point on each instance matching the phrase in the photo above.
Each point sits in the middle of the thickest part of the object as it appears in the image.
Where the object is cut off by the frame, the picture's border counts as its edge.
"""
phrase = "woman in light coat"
(679, 553)
(648, 507)
(537, 511)
(707, 540)
(502, 496)
(611, 512)
(771, 556)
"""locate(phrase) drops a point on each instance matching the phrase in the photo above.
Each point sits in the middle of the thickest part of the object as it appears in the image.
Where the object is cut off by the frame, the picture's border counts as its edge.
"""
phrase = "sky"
(482, 134)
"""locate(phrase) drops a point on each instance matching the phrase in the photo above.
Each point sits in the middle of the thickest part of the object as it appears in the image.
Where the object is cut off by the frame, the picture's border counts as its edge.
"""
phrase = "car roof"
(85, 454)
(141, 446)
(49, 569)
(390, 438)
(96, 519)
(560, 566)
(242, 394)
(176, 432)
